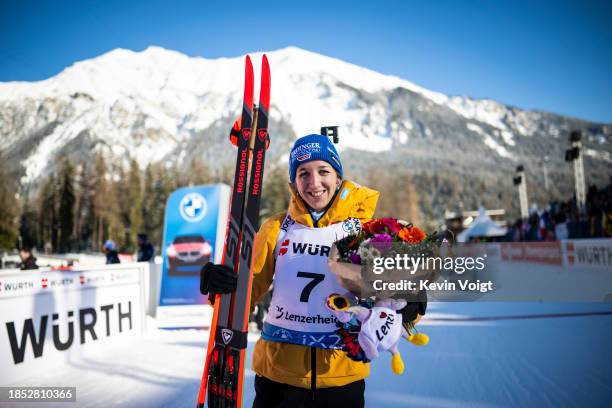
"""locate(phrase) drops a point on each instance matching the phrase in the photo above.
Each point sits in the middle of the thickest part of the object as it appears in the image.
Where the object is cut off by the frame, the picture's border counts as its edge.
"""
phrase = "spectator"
(534, 226)
(607, 225)
(112, 257)
(28, 261)
(517, 232)
(560, 220)
(146, 251)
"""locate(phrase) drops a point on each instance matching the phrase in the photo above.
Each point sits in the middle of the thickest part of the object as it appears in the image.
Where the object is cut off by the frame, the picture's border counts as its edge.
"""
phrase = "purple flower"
(381, 238)
(355, 258)
(382, 242)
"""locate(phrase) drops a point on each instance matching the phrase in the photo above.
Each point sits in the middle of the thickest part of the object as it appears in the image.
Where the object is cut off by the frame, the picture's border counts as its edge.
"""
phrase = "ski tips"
(264, 93)
(248, 65)
(249, 83)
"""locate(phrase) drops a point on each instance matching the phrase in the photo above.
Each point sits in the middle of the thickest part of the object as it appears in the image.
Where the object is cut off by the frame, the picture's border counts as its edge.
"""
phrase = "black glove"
(416, 305)
(410, 311)
(216, 279)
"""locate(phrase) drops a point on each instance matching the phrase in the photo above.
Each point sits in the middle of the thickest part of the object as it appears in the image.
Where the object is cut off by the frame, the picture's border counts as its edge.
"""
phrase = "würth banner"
(51, 317)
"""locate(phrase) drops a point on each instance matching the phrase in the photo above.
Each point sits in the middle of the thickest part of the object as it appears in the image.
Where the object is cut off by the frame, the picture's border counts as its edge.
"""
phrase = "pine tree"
(198, 172)
(48, 214)
(135, 204)
(67, 201)
(147, 201)
(8, 207)
(100, 198)
(176, 176)
(84, 217)
(117, 209)
(28, 225)
(158, 185)
(121, 191)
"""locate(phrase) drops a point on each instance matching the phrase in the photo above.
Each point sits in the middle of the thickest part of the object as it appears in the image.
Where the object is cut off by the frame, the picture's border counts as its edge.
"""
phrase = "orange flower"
(412, 235)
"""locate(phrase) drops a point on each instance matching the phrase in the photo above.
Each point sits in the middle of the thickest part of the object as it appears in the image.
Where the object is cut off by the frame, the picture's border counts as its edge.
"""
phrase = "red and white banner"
(548, 253)
(42, 281)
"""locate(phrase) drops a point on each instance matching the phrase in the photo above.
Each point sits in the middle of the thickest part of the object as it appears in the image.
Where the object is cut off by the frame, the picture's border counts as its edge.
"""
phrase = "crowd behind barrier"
(564, 220)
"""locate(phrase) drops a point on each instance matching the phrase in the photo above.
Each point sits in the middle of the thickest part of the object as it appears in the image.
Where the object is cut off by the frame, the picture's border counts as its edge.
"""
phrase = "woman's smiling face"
(316, 182)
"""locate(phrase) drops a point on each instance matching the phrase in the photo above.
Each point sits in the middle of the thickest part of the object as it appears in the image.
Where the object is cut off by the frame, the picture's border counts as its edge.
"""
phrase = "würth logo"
(79, 325)
(17, 285)
(82, 279)
(284, 247)
(310, 249)
(44, 282)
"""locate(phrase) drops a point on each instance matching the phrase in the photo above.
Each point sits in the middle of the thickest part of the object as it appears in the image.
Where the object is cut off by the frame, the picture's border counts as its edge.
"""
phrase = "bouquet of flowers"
(384, 249)
(359, 259)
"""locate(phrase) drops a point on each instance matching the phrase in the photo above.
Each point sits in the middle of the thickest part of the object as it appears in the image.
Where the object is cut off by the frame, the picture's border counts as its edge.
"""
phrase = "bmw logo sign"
(193, 207)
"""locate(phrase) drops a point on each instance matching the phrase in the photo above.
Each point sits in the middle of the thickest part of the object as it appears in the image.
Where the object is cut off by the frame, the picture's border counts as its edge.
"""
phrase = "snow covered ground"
(549, 360)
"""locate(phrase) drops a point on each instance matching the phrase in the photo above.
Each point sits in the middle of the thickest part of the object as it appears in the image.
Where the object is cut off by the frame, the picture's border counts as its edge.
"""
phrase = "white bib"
(302, 283)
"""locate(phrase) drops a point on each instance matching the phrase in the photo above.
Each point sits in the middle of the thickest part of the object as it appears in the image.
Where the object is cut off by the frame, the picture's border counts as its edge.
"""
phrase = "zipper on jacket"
(313, 372)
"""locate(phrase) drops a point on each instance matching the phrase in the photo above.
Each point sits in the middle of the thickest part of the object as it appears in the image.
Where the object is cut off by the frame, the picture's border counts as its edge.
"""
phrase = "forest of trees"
(81, 205)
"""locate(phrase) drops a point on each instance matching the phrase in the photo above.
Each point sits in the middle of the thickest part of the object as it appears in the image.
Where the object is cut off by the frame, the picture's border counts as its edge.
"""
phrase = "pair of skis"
(221, 383)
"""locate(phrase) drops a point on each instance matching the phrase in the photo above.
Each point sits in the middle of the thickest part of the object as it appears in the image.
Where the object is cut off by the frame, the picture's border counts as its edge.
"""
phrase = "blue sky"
(547, 55)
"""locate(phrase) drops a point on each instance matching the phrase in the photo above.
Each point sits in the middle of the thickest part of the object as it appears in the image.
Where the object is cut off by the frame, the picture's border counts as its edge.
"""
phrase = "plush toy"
(380, 329)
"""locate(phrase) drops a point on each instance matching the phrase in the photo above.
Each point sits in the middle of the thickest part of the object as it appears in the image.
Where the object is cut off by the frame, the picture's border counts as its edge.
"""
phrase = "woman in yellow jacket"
(297, 360)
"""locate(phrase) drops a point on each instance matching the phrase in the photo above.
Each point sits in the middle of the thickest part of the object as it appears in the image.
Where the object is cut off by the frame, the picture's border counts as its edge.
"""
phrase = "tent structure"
(482, 227)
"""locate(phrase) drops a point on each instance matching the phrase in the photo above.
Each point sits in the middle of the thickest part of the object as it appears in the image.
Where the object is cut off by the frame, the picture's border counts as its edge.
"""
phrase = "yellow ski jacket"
(290, 363)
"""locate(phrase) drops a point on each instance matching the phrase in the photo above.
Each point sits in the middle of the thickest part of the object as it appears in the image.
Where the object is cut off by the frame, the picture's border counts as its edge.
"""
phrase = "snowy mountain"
(162, 105)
